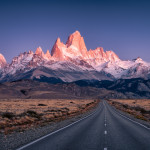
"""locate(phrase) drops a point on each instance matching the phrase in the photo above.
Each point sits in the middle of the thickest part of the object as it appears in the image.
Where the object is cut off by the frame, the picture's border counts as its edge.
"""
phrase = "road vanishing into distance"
(105, 129)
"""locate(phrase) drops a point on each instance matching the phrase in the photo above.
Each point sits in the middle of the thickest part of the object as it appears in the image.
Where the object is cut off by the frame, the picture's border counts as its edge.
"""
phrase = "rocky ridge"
(72, 61)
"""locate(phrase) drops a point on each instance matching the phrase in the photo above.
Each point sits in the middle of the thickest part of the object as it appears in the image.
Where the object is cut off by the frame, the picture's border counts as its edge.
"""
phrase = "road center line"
(105, 132)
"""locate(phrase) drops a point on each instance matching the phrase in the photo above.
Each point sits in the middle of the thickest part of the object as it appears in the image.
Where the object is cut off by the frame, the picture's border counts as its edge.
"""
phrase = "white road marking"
(130, 119)
(21, 148)
(133, 121)
(105, 132)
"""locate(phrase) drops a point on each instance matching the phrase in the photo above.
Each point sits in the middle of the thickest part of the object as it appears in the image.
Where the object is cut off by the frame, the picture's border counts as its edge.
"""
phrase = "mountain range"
(71, 62)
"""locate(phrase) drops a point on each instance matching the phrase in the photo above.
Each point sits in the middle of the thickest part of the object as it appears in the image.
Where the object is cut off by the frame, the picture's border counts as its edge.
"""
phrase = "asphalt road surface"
(105, 129)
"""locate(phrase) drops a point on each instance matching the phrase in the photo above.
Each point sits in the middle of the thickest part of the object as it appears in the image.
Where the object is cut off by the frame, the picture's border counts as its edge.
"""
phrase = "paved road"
(103, 130)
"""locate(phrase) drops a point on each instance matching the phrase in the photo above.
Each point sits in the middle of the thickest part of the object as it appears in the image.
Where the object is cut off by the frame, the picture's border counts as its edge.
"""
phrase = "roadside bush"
(125, 106)
(142, 110)
(42, 105)
(32, 113)
(8, 115)
(137, 108)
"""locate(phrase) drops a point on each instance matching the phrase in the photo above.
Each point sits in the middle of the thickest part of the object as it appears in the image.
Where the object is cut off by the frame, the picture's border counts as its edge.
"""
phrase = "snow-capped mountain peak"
(75, 48)
(47, 55)
(39, 51)
(58, 50)
(2, 61)
(138, 60)
(72, 61)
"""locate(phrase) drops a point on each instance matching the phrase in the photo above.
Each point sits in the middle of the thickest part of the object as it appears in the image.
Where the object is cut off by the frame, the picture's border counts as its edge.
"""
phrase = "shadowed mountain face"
(69, 75)
(129, 87)
(34, 89)
(57, 89)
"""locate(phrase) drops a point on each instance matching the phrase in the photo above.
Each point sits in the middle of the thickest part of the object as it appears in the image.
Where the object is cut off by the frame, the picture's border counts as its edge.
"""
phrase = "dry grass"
(139, 108)
(143, 103)
(20, 114)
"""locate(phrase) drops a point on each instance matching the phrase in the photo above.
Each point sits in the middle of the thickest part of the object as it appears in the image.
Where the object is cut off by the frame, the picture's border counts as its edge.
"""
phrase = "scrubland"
(21, 114)
(139, 108)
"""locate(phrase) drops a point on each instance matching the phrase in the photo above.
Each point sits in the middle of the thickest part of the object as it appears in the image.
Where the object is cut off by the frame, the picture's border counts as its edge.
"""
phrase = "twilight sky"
(119, 25)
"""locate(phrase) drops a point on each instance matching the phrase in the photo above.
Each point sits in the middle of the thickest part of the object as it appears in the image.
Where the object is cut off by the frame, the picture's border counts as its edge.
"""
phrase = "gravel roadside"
(17, 139)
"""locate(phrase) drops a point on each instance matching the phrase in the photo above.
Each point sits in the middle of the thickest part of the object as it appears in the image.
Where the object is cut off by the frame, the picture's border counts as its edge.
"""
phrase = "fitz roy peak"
(70, 62)
(75, 48)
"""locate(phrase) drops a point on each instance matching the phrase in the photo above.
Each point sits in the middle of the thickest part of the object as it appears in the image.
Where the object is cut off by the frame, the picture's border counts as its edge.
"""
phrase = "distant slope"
(137, 87)
(56, 89)
(43, 73)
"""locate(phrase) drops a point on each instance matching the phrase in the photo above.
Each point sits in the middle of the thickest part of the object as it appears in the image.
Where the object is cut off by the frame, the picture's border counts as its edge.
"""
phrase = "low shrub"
(8, 115)
(32, 113)
(42, 105)
(125, 106)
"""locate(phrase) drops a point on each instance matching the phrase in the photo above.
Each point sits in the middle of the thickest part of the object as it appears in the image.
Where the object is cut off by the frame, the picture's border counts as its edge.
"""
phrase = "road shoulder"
(18, 139)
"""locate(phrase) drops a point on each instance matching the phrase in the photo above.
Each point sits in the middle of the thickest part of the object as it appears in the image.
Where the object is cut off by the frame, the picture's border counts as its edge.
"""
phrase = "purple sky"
(120, 25)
